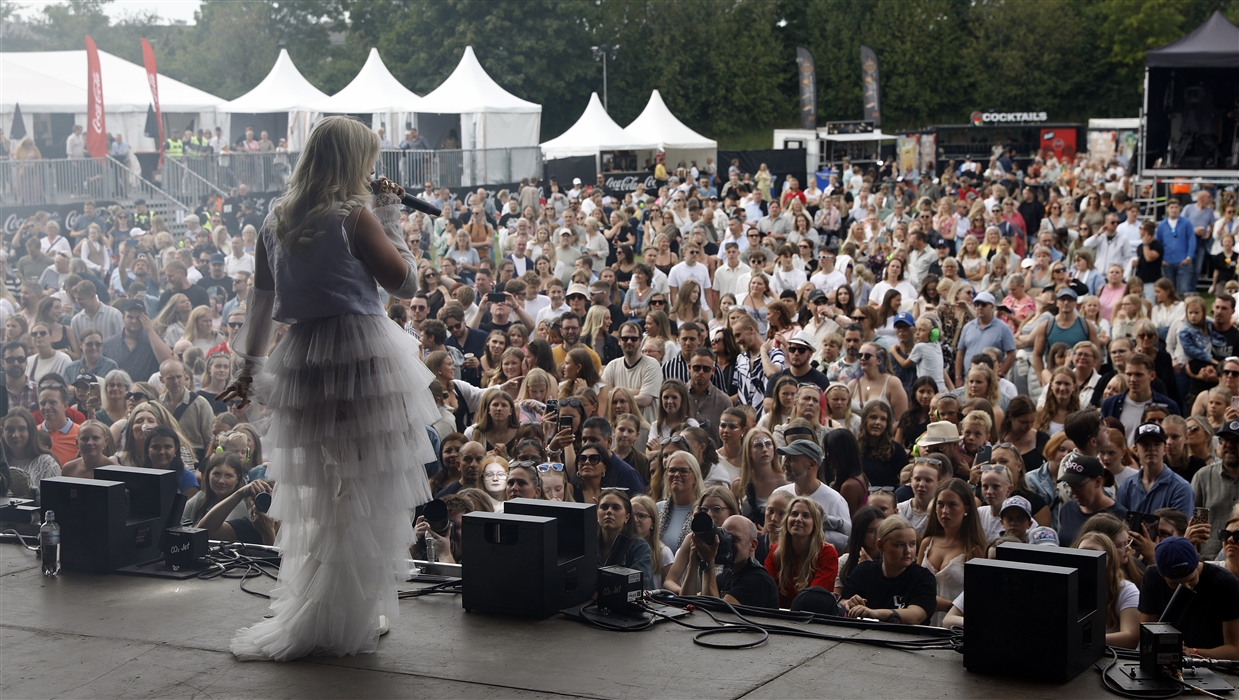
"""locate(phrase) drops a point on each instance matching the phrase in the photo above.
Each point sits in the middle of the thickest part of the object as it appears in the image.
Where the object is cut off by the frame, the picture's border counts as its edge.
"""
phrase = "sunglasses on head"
(881, 489)
(677, 440)
(550, 467)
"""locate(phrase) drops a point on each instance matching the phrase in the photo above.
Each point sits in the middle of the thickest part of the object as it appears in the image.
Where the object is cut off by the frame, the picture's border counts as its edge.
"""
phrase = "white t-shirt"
(918, 520)
(645, 378)
(991, 524)
(787, 279)
(534, 306)
(828, 281)
(549, 313)
(832, 504)
(682, 272)
(1129, 597)
(929, 362)
(1131, 416)
(906, 291)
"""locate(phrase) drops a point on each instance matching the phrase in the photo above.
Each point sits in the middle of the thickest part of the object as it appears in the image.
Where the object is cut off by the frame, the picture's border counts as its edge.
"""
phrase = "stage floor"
(117, 636)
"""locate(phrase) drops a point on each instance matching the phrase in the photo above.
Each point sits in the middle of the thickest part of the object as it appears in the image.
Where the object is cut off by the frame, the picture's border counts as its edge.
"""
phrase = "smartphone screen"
(496, 297)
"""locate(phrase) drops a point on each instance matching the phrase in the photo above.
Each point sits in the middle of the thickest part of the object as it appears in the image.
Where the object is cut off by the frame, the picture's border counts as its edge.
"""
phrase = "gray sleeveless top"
(321, 280)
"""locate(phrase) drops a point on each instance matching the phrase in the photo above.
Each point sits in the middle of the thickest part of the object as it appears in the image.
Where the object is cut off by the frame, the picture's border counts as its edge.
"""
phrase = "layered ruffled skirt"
(349, 405)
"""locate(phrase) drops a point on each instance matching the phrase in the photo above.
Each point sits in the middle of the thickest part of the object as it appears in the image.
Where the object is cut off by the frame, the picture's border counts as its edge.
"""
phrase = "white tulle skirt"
(347, 442)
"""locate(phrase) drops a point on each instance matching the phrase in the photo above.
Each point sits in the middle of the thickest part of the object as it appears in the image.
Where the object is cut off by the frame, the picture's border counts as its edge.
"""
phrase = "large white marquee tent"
(54, 82)
(656, 123)
(593, 133)
(284, 91)
(376, 91)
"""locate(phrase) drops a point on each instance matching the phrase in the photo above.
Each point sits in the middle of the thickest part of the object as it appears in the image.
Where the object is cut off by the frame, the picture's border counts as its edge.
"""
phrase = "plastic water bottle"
(49, 545)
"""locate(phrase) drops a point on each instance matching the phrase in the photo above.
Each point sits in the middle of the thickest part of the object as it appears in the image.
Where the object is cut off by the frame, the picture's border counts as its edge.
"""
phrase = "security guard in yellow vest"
(174, 148)
(142, 215)
(194, 146)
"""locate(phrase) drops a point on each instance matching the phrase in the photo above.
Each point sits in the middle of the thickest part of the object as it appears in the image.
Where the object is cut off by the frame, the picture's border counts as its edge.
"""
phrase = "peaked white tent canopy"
(490, 117)
(54, 82)
(284, 90)
(377, 92)
(657, 124)
(595, 131)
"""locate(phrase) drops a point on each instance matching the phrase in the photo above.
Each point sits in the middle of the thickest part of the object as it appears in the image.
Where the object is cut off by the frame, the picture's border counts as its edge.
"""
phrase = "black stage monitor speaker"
(534, 559)
(113, 520)
(1025, 620)
(1091, 564)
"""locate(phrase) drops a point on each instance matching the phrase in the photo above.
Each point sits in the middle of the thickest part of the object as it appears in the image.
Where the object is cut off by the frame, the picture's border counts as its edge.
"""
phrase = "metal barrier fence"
(37, 182)
(269, 172)
(184, 180)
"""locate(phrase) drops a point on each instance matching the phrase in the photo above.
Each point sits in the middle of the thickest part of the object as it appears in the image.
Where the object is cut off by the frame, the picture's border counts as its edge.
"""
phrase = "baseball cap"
(576, 180)
(133, 305)
(904, 317)
(983, 298)
(1176, 558)
(807, 448)
(85, 379)
(1230, 427)
(942, 243)
(218, 259)
(1016, 502)
(816, 295)
(575, 289)
(1043, 535)
(1150, 431)
(136, 202)
(1067, 293)
(565, 231)
(1027, 263)
(136, 232)
(1077, 468)
(803, 338)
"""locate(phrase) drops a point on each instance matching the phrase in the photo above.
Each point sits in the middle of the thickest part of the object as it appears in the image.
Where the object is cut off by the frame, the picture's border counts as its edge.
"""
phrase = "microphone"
(412, 202)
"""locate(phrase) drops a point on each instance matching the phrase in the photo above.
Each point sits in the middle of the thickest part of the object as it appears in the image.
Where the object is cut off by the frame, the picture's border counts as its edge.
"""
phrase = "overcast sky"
(170, 10)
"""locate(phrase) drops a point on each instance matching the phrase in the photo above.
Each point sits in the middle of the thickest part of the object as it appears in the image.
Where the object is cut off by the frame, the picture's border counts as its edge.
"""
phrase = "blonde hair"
(191, 326)
(331, 179)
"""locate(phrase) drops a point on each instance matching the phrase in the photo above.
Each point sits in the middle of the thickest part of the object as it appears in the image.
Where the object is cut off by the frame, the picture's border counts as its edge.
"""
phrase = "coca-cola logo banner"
(623, 183)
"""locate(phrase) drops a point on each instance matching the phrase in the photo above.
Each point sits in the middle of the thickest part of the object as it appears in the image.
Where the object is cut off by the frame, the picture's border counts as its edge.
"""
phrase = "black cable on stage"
(947, 639)
(450, 587)
(229, 562)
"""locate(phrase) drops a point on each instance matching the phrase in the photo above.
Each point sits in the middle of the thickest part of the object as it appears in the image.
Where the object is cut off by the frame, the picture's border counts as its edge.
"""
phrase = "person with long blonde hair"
(802, 558)
(173, 319)
(761, 472)
(347, 408)
(200, 330)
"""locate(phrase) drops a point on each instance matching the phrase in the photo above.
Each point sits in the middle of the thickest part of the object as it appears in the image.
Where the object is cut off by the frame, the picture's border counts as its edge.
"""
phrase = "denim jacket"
(1194, 342)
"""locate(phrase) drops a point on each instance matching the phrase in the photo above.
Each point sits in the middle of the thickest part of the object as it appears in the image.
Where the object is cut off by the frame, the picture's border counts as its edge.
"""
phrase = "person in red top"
(802, 559)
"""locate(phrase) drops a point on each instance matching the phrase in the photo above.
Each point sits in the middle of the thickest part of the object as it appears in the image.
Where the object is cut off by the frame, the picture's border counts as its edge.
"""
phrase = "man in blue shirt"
(1156, 486)
(1179, 248)
(984, 331)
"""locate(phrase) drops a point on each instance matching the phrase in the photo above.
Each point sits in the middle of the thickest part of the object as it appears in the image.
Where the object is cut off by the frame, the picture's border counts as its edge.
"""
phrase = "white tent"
(54, 82)
(284, 90)
(376, 91)
(595, 131)
(490, 117)
(657, 124)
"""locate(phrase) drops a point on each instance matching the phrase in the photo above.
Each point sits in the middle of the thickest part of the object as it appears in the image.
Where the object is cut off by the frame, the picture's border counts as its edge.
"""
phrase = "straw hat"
(939, 433)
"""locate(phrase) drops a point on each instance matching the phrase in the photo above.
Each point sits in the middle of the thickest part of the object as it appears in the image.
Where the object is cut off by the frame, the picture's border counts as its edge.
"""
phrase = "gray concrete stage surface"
(117, 636)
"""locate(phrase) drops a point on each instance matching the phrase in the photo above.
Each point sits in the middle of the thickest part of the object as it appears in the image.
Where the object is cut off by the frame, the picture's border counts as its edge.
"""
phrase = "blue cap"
(904, 317)
(1176, 558)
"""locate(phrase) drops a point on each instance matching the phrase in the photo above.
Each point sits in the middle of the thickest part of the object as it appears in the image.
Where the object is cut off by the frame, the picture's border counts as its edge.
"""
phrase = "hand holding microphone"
(384, 186)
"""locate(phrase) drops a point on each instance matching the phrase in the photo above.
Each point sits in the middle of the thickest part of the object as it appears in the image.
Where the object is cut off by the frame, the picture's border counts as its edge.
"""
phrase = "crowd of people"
(866, 385)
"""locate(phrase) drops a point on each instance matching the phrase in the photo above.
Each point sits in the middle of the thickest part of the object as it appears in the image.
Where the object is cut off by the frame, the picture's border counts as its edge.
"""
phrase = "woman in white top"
(893, 278)
(1167, 307)
(674, 414)
(45, 359)
(1123, 615)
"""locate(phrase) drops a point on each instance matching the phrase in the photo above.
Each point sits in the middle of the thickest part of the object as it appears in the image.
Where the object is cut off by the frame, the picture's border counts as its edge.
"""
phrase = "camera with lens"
(707, 533)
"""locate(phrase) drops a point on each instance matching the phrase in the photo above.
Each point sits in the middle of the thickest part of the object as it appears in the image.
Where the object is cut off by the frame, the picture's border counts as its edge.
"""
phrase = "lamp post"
(600, 54)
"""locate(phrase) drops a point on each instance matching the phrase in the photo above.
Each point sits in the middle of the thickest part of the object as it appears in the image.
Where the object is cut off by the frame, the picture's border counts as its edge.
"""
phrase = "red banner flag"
(152, 77)
(96, 125)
